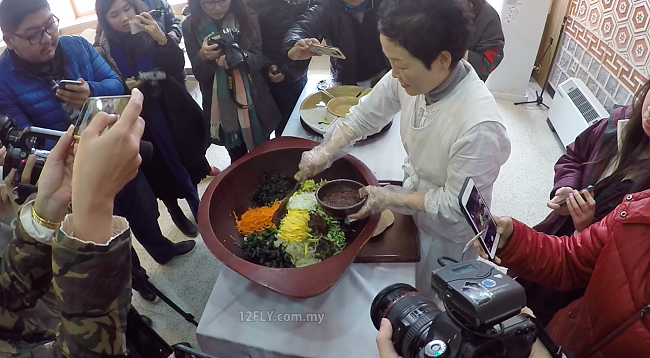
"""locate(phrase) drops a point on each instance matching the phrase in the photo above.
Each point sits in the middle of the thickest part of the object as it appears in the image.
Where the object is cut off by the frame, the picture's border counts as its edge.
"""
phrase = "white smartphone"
(327, 50)
(94, 105)
(479, 217)
(135, 28)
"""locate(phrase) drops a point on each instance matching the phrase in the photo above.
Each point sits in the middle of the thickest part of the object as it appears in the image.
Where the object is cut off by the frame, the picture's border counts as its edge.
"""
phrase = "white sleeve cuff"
(32, 228)
(119, 226)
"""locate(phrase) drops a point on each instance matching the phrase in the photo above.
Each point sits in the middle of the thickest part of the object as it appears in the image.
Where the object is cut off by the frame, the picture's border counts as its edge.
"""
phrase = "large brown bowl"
(230, 193)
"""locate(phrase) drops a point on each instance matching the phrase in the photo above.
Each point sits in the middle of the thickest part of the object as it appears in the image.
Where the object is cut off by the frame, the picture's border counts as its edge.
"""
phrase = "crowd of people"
(66, 269)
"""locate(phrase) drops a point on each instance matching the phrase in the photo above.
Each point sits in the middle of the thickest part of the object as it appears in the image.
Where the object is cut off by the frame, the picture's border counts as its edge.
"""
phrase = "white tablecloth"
(384, 155)
(228, 330)
(235, 322)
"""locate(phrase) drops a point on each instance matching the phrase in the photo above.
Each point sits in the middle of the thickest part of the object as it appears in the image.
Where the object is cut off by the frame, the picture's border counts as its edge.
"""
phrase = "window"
(83, 7)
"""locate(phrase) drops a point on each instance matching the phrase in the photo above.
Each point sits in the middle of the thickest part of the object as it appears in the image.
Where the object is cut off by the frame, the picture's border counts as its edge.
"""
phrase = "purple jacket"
(576, 169)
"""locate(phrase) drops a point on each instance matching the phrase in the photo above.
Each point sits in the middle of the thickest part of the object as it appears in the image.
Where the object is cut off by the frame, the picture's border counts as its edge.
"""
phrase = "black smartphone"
(590, 189)
(63, 84)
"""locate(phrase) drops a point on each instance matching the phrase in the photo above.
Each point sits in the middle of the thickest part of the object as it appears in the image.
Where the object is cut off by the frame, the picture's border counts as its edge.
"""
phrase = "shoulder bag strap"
(603, 342)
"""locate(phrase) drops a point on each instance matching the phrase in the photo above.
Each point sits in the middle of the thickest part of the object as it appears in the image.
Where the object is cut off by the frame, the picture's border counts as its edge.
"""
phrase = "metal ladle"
(326, 93)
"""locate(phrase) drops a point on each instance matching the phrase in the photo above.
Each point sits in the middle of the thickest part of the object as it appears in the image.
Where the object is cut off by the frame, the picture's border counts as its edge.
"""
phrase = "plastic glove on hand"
(312, 163)
(338, 140)
(392, 197)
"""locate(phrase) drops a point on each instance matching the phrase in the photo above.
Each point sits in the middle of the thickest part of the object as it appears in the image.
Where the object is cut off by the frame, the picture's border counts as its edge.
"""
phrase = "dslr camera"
(157, 13)
(20, 144)
(482, 318)
(229, 46)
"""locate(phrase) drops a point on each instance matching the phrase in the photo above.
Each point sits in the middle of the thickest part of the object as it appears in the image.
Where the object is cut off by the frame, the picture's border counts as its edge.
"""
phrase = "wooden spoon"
(282, 209)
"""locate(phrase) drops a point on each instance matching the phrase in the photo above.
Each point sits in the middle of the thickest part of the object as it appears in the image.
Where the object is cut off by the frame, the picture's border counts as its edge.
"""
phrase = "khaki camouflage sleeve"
(93, 287)
(25, 271)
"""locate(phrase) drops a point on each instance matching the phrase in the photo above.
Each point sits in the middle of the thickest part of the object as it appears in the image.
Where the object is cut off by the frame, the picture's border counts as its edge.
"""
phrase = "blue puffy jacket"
(30, 101)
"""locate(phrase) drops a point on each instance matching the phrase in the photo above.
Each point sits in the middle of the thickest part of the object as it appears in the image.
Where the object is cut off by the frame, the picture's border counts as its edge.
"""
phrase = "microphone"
(146, 150)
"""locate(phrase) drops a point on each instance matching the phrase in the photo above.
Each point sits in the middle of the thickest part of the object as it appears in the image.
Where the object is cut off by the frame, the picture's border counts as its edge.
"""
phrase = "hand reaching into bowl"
(321, 157)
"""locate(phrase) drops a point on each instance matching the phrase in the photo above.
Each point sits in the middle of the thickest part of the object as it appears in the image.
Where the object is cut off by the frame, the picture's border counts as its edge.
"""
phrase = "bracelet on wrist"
(45, 223)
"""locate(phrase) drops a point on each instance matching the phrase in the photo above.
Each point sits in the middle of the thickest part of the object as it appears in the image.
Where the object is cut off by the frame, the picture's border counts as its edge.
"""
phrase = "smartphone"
(327, 50)
(64, 83)
(94, 105)
(135, 28)
(477, 212)
(590, 189)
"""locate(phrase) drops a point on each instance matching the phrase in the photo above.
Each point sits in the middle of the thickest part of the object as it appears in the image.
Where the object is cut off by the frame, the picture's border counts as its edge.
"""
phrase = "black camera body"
(482, 317)
(157, 14)
(229, 46)
(20, 144)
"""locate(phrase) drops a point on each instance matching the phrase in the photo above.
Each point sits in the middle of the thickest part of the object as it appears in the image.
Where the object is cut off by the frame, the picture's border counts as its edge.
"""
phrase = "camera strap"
(233, 91)
(555, 350)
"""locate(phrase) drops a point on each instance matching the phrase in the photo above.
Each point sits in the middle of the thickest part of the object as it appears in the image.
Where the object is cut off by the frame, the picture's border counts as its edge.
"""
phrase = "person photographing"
(175, 121)
(242, 115)
(88, 251)
(450, 127)
(609, 259)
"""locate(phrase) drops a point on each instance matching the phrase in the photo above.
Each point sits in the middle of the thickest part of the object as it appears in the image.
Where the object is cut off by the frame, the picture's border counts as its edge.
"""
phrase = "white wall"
(523, 35)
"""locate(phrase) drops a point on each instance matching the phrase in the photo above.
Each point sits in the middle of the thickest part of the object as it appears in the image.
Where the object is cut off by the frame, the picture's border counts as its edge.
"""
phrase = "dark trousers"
(137, 203)
(286, 94)
(237, 152)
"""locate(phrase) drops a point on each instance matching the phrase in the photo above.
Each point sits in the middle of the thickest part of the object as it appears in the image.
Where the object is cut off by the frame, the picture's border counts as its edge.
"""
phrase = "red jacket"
(611, 259)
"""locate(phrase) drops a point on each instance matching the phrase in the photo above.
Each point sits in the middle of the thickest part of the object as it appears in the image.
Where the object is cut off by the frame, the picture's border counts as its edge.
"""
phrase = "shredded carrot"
(256, 219)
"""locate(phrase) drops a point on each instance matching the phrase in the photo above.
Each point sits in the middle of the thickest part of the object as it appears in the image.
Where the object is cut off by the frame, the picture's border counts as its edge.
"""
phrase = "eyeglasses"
(209, 5)
(37, 36)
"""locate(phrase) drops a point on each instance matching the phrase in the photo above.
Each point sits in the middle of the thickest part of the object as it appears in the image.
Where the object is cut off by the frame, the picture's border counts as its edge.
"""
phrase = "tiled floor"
(521, 191)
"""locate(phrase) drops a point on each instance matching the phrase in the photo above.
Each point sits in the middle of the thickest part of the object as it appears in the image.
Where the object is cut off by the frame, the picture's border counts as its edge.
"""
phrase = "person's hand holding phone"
(150, 26)
(74, 95)
(54, 184)
(132, 83)
(301, 50)
(209, 52)
(558, 203)
(106, 160)
(582, 208)
(505, 229)
(274, 75)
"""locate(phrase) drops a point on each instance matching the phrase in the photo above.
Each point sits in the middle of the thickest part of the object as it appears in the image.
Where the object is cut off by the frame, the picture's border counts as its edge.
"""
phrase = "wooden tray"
(399, 243)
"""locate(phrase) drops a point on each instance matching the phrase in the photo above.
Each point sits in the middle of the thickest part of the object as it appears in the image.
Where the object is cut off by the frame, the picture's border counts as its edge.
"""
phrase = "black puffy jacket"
(276, 18)
(359, 41)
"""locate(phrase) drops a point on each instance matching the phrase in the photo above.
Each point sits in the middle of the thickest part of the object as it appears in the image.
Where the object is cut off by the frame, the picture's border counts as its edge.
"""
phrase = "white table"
(384, 155)
(231, 328)
(236, 324)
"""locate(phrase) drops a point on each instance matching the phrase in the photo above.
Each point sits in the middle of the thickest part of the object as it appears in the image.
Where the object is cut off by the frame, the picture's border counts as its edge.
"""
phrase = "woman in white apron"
(450, 127)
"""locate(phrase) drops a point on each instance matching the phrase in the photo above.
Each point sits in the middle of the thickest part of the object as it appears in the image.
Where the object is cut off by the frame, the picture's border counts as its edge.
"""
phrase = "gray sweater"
(486, 46)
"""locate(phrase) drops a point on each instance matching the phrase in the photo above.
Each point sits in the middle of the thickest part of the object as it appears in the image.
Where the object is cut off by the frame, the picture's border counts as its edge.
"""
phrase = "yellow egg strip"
(295, 226)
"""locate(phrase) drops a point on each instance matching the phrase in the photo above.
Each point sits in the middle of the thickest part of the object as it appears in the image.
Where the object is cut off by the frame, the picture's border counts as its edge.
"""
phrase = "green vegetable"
(260, 248)
(335, 233)
(310, 186)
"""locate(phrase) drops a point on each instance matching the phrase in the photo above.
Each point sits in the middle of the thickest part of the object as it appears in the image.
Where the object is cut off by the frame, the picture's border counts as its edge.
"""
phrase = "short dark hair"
(13, 12)
(426, 28)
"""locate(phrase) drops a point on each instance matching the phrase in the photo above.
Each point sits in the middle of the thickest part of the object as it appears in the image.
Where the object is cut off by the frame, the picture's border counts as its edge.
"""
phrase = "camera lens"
(409, 312)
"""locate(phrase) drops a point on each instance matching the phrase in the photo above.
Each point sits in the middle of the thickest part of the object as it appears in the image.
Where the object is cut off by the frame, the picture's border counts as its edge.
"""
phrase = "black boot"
(180, 249)
(180, 220)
